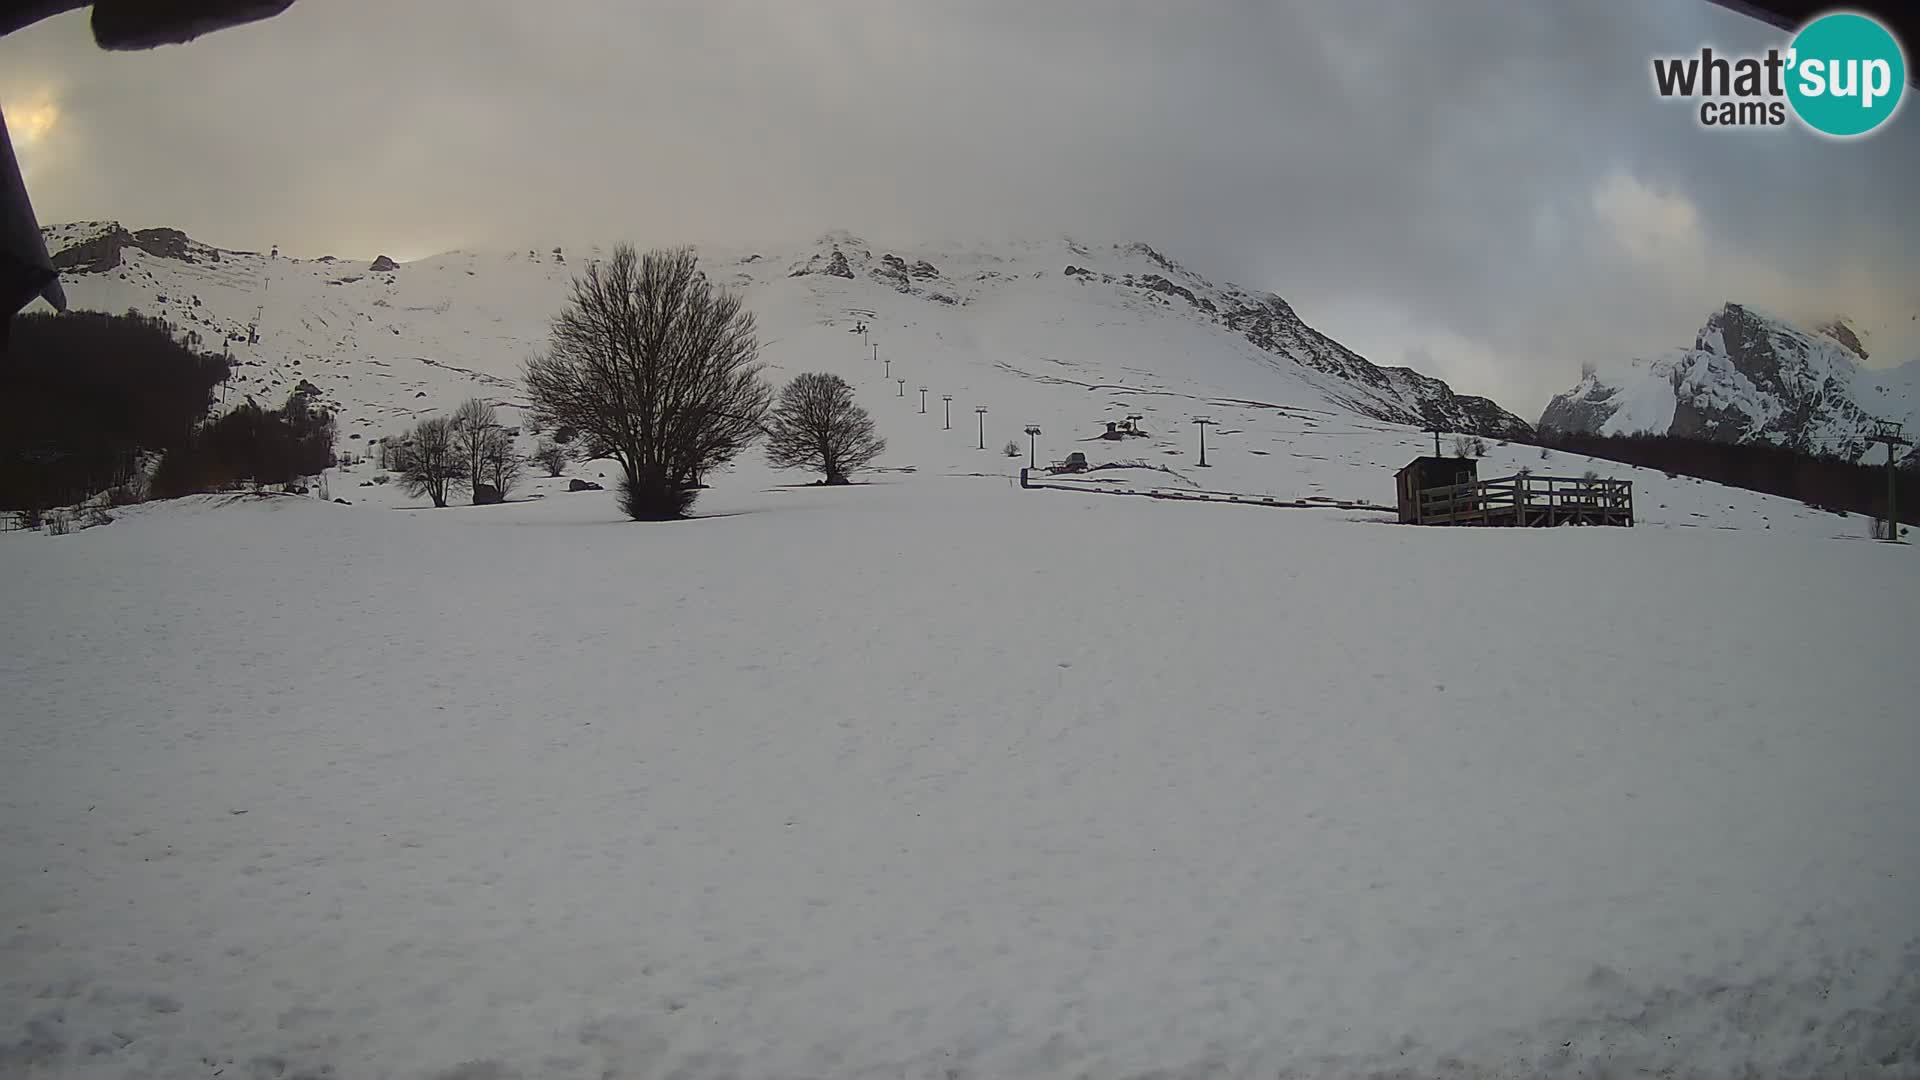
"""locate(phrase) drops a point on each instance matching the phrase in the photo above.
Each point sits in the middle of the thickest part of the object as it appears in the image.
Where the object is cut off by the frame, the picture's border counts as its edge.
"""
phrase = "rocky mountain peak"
(103, 249)
(1749, 376)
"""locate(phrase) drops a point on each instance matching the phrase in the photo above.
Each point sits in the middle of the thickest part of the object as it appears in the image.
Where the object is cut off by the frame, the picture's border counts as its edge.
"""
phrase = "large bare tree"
(818, 426)
(428, 460)
(656, 369)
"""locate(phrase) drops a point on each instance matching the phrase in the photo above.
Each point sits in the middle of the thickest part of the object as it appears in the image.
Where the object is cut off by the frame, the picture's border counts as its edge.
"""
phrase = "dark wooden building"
(1423, 473)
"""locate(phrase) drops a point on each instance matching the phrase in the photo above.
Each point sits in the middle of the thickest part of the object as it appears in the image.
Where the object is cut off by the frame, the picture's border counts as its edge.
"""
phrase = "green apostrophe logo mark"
(1843, 75)
(1847, 74)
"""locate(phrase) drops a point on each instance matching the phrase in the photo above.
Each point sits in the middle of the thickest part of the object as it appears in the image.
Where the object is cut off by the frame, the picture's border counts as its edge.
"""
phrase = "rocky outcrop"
(1484, 416)
(1585, 408)
(383, 264)
(833, 265)
(1838, 330)
(1395, 394)
(103, 252)
(893, 270)
(167, 244)
(1158, 259)
(1156, 283)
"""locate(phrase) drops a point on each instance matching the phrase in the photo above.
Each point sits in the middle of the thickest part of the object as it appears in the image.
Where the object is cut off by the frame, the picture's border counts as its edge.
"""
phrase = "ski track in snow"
(934, 777)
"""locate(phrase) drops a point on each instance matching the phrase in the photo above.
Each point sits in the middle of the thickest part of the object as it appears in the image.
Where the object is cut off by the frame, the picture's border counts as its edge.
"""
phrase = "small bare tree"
(658, 370)
(552, 457)
(429, 461)
(817, 426)
(474, 428)
(499, 465)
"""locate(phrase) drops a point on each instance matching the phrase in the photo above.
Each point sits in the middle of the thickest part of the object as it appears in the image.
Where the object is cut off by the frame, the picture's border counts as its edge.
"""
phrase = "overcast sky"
(1486, 190)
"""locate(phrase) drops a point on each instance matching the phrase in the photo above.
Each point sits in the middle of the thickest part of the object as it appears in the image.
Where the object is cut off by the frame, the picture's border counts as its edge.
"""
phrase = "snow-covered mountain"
(374, 337)
(1059, 335)
(1749, 377)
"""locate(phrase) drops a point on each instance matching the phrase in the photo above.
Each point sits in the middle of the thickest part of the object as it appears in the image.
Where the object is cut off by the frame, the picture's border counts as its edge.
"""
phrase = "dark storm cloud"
(1487, 189)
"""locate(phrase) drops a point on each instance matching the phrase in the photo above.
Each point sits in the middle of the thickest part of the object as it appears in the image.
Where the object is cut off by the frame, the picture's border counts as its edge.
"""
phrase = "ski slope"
(1003, 327)
(936, 777)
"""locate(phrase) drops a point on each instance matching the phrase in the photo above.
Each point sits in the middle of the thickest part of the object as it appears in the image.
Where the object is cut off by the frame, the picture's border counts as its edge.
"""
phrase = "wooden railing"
(1529, 500)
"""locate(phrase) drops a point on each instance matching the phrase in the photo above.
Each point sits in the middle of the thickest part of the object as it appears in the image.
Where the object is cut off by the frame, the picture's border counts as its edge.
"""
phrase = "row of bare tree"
(652, 366)
(658, 370)
(469, 448)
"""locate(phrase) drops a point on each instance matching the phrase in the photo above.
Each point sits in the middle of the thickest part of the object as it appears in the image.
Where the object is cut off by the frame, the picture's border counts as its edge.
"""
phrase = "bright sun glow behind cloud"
(34, 121)
(31, 123)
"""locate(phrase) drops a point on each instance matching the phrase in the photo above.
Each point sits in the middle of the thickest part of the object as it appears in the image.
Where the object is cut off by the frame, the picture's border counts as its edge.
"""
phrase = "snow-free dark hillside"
(1749, 377)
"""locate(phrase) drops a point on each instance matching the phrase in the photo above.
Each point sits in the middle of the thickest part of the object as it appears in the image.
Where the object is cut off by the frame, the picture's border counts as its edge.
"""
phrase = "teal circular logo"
(1845, 75)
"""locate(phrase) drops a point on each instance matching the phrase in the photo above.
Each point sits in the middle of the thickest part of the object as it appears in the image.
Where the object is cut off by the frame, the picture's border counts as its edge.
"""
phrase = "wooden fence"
(1527, 500)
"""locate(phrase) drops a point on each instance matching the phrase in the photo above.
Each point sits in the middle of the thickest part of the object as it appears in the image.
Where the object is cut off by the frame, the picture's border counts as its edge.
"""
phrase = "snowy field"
(939, 778)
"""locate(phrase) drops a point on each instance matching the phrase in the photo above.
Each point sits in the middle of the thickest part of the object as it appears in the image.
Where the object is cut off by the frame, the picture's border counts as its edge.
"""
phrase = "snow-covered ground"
(936, 777)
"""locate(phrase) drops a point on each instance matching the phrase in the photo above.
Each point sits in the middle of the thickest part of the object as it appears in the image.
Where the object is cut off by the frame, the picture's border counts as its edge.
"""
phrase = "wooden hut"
(1429, 472)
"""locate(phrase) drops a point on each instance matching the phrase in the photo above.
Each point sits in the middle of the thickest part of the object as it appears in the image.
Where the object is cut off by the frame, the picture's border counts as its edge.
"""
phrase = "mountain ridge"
(100, 251)
(1750, 376)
